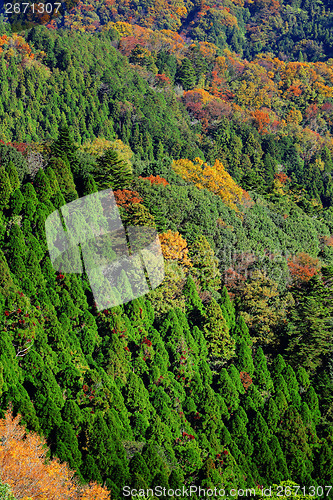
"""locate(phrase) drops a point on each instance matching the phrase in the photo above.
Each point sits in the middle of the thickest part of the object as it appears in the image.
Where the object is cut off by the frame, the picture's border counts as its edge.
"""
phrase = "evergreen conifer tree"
(13, 176)
(5, 189)
(186, 74)
(112, 172)
(220, 344)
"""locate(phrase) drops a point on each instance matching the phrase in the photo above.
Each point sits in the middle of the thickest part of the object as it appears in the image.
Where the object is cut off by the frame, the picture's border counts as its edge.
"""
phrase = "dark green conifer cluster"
(138, 396)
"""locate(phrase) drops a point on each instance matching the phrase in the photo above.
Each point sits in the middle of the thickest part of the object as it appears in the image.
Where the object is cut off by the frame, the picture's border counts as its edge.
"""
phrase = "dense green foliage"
(143, 396)
(223, 375)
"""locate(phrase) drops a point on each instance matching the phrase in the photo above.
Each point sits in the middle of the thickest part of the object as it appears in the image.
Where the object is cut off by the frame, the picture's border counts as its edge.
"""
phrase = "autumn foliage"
(156, 179)
(214, 178)
(25, 468)
(245, 379)
(174, 247)
(124, 197)
(15, 45)
(302, 267)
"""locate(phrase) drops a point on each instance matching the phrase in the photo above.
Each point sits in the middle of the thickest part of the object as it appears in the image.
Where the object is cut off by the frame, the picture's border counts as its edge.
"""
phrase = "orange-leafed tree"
(302, 267)
(245, 379)
(156, 179)
(124, 197)
(25, 468)
(162, 79)
(174, 247)
(3, 41)
(95, 492)
(261, 120)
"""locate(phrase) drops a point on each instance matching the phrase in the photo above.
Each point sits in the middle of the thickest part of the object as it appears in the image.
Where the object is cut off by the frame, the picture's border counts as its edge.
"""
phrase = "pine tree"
(42, 186)
(16, 202)
(235, 377)
(279, 366)
(309, 330)
(272, 415)
(241, 332)
(16, 242)
(311, 398)
(30, 200)
(280, 385)
(112, 172)
(239, 433)
(281, 401)
(90, 470)
(324, 461)
(263, 457)
(244, 361)
(227, 307)
(262, 375)
(186, 74)
(67, 446)
(5, 189)
(295, 444)
(53, 181)
(13, 176)
(64, 147)
(279, 458)
(228, 390)
(90, 185)
(290, 378)
(194, 307)
(205, 264)
(138, 465)
(62, 170)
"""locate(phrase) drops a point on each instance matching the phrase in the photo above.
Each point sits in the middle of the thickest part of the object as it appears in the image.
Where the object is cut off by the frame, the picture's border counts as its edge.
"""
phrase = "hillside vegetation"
(221, 376)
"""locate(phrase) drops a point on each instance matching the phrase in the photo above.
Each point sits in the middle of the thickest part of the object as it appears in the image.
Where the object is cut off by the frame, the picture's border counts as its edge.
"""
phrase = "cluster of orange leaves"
(17, 44)
(25, 468)
(124, 197)
(261, 119)
(3, 41)
(174, 247)
(302, 267)
(281, 177)
(245, 379)
(328, 240)
(258, 90)
(162, 79)
(156, 179)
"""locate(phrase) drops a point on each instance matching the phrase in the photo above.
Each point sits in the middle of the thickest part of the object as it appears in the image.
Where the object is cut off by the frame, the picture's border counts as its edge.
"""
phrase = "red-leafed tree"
(162, 80)
(156, 179)
(245, 379)
(124, 197)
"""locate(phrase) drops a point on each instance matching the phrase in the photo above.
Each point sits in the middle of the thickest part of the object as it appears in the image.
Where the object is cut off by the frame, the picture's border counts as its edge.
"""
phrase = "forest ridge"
(212, 123)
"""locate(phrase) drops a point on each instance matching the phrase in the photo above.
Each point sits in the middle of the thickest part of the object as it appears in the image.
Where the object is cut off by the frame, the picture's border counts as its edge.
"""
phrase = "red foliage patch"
(245, 379)
(302, 267)
(155, 179)
(124, 197)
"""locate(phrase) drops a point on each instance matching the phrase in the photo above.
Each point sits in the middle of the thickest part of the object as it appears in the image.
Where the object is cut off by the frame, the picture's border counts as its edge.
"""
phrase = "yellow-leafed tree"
(174, 247)
(25, 468)
(214, 178)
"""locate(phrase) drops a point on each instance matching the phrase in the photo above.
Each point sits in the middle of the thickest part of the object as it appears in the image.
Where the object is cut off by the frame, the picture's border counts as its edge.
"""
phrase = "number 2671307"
(38, 8)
